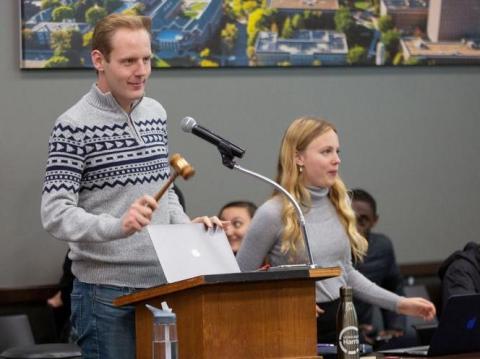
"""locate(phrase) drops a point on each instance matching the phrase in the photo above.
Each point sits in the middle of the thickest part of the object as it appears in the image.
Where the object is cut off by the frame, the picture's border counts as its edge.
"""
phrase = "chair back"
(15, 330)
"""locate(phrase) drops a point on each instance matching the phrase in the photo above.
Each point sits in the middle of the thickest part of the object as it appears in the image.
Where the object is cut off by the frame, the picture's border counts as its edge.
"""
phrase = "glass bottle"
(348, 342)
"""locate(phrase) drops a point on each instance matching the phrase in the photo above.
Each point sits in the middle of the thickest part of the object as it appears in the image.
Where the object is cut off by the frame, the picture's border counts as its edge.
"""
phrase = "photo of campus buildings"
(237, 33)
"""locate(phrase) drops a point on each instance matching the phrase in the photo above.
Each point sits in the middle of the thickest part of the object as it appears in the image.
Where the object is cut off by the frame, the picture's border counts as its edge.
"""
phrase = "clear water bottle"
(164, 336)
(348, 342)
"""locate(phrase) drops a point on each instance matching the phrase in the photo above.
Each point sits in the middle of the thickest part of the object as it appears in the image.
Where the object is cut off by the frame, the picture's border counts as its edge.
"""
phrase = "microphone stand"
(228, 161)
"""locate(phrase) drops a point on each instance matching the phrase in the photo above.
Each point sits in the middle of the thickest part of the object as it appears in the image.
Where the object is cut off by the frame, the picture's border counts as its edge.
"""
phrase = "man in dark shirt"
(380, 267)
(460, 272)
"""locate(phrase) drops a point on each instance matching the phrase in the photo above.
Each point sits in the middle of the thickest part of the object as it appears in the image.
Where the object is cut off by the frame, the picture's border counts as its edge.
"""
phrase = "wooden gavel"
(180, 167)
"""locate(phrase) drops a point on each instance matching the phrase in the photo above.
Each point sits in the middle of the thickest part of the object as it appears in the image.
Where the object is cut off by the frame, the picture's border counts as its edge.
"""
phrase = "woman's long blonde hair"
(298, 136)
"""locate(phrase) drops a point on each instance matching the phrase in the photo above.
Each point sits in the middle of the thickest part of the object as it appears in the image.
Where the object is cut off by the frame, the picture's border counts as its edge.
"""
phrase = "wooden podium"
(240, 315)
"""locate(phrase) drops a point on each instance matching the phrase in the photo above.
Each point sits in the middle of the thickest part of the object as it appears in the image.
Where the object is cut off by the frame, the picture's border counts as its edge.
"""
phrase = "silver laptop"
(189, 250)
(458, 330)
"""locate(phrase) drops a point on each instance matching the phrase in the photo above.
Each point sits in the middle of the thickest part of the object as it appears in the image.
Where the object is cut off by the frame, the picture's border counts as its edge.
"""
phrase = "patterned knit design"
(101, 159)
(109, 155)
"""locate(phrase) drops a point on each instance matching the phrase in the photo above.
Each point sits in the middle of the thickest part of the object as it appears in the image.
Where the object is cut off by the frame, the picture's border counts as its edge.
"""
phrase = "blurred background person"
(460, 272)
(240, 214)
(60, 301)
(380, 266)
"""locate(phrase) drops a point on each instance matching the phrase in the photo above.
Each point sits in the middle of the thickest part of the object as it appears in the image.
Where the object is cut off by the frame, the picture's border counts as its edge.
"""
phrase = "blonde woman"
(308, 168)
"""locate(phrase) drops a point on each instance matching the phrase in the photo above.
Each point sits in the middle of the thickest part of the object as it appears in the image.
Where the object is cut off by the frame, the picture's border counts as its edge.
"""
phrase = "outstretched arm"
(418, 307)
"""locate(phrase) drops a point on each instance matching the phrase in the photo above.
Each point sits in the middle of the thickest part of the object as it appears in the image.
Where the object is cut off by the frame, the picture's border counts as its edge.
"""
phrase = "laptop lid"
(459, 327)
(189, 250)
(458, 330)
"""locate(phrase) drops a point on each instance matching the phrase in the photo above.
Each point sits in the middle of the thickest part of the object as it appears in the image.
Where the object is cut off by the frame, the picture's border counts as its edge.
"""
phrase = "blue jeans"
(102, 330)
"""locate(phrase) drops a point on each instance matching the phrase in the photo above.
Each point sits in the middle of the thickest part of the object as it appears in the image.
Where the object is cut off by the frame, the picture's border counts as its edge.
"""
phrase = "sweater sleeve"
(260, 238)
(177, 215)
(61, 216)
(368, 291)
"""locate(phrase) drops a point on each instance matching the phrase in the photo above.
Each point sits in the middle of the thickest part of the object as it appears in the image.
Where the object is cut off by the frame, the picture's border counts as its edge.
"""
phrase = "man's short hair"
(106, 28)
(359, 194)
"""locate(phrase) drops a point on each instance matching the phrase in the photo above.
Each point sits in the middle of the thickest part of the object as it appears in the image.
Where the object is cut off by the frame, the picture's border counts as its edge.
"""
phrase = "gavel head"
(181, 166)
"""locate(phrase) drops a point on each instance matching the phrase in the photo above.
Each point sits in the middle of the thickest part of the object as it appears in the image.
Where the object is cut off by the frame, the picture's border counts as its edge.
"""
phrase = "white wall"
(408, 135)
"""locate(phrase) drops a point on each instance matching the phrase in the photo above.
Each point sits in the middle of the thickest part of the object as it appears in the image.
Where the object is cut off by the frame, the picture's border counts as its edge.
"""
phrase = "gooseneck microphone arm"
(229, 151)
(301, 217)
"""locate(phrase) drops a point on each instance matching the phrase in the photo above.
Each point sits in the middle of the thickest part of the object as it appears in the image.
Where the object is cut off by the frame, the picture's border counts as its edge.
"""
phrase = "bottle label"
(348, 340)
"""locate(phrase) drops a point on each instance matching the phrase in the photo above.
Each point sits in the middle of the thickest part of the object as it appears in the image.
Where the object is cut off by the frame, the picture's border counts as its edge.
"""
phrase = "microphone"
(190, 125)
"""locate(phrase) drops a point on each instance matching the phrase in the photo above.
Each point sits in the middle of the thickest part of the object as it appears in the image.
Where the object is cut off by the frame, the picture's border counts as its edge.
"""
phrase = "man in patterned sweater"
(107, 155)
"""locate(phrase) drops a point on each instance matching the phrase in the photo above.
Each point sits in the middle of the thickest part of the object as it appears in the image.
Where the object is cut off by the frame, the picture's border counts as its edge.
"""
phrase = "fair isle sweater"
(100, 160)
(329, 245)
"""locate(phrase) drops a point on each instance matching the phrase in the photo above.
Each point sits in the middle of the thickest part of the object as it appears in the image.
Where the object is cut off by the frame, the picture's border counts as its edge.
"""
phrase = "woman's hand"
(318, 311)
(418, 307)
(211, 222)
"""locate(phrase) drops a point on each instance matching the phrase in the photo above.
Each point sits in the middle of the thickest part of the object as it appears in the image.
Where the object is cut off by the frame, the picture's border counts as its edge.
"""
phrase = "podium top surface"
(301, 273)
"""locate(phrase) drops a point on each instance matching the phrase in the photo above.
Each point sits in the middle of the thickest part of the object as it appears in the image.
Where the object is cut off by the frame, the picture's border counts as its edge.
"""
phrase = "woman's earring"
(300, 169)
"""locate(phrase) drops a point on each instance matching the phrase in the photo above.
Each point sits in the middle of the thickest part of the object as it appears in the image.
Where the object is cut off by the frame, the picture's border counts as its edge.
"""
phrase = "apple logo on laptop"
(471, 323)
(196, 253)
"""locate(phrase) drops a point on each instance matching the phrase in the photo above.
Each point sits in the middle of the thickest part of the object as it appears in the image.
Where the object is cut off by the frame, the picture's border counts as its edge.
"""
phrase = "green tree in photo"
(414, 61)
(391, 39)
(62, 13)
(158, 62)
(237, 8)
(356, 55)
(249, 6)
(208, 63)
(287, 31)
(385, 23)
(87, 39)
(251, 53)
(67, 44)
(57, 61)
(94, 14)
(205, 53)
(298, 22)
(229, 35)
(60, 41)
(398, 59)
(46, 4)
(253, 25)
(343, 20)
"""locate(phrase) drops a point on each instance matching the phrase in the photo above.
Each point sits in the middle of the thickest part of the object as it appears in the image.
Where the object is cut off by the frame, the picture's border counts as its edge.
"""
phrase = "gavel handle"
(165, 186)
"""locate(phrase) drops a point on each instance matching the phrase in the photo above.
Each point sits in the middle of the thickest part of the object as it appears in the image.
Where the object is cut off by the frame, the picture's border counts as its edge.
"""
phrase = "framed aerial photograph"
(262, 33)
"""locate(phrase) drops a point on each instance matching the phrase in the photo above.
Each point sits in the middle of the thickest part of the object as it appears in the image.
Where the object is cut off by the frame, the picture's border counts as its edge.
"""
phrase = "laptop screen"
(459, 327)
(458, 330)
(189, 250)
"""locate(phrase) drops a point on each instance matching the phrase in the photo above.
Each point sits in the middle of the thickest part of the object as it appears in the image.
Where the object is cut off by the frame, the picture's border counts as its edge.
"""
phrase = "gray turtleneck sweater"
(329, 244)
(100, 160)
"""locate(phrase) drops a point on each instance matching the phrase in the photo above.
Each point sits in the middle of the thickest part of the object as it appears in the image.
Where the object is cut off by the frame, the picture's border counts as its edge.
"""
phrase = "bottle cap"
(162, 316)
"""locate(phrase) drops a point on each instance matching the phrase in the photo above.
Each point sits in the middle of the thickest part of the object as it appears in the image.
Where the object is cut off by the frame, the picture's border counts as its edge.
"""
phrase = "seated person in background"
(379, 265)
(460, 272)
(240, 214)
(60, 302)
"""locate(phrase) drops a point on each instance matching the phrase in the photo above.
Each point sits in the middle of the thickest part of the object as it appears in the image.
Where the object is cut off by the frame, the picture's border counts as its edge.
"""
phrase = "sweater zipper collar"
(131, 123)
